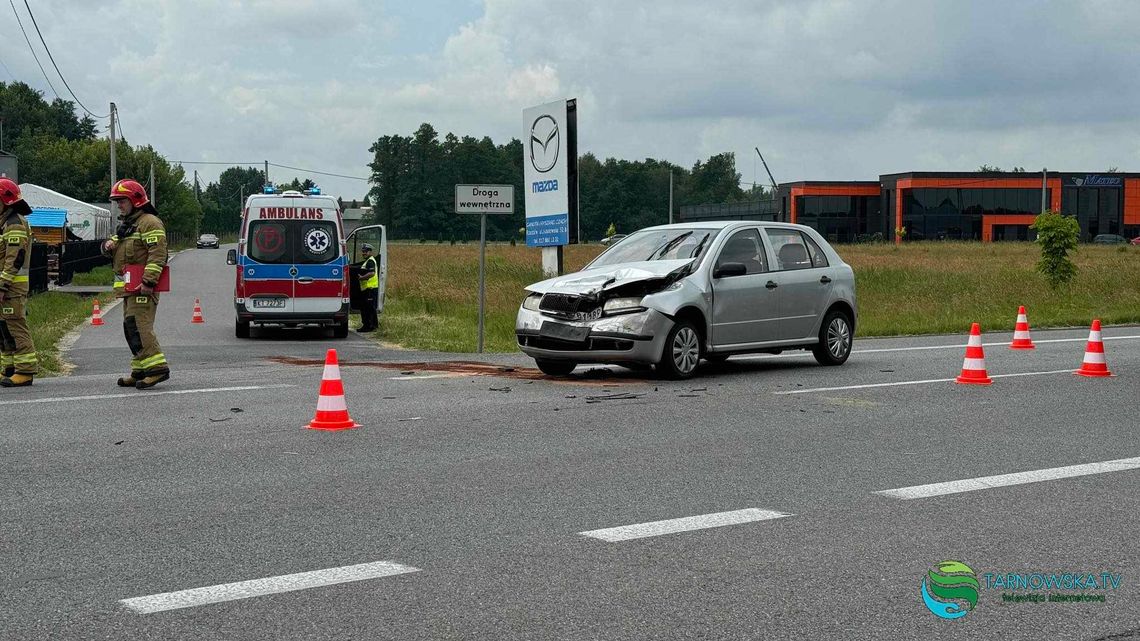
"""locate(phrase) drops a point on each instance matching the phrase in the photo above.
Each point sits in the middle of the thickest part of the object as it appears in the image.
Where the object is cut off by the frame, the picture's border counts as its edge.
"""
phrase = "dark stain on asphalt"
(472, 368)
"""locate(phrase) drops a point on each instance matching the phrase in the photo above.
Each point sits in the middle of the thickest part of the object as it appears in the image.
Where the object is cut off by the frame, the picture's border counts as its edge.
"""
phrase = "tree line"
(60, 151)
(414, 177)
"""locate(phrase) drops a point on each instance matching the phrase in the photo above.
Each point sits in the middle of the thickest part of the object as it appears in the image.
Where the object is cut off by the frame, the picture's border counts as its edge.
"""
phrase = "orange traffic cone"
(974, 366)
(1094, 364)
(1021, 338)
(96, 314)
(332, 412)
(197, 318)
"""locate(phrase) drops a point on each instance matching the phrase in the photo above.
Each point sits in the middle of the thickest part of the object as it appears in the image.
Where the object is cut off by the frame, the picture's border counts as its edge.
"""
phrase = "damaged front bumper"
(624, 338)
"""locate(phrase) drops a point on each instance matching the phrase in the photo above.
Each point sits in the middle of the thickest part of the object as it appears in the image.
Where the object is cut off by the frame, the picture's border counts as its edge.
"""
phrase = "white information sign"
(484, 199)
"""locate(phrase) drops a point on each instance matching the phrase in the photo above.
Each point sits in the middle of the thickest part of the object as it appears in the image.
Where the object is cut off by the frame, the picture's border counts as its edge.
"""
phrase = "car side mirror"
(726, 270)
(231, 257)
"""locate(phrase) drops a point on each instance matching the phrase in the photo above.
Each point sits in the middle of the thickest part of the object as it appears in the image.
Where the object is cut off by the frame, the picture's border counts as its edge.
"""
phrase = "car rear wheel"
(834, 339)
(682, 351)
(241, 330)
(340, 330)
(555, 368)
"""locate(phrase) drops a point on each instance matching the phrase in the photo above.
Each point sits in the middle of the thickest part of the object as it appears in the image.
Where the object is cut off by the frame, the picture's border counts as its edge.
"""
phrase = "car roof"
(723, 224)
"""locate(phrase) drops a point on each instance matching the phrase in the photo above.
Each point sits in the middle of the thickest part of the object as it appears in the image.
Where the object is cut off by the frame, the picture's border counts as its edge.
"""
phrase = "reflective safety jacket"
(373, 281)
(140, 240)
(15, 253)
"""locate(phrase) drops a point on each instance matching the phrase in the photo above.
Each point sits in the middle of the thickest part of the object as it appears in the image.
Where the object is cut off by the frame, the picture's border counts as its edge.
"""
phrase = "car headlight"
(531, 302)
(622, 305)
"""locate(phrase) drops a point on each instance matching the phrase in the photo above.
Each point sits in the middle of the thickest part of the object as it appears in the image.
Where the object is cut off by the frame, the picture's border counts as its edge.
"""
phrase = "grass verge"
(104, 276)
(918, 288)
(51, 316)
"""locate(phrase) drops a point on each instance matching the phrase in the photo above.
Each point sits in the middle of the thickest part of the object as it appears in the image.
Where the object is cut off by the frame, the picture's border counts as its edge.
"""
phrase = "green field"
(918, 288)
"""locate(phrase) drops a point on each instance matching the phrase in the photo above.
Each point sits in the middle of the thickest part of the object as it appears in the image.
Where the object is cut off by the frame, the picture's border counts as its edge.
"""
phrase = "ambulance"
(296, 266)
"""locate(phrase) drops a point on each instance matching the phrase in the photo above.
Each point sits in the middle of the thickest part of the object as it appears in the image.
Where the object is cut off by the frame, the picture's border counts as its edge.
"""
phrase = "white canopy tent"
(83, 219)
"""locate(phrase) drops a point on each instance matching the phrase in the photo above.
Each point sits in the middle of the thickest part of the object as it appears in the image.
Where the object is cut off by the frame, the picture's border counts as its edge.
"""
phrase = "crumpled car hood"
(591, 281)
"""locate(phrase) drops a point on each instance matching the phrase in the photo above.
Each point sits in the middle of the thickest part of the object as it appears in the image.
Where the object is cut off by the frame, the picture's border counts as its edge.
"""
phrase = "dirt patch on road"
(595, 376)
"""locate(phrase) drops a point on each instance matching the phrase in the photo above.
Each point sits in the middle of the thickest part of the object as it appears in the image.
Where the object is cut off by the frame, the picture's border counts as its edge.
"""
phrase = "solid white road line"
(922, 382)
(1017, 478)
(261, 587)
(686, 524)
(930, 347)
(141, 394)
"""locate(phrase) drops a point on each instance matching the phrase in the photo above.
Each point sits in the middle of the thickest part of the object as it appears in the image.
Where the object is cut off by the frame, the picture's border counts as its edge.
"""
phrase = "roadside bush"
(1057, 234)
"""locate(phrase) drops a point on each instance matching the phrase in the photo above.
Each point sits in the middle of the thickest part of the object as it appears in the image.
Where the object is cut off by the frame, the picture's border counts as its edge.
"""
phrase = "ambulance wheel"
(340, 330)
(241, 330)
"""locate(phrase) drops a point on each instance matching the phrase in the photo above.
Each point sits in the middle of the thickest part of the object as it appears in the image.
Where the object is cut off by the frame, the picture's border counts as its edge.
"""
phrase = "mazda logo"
(544, 140)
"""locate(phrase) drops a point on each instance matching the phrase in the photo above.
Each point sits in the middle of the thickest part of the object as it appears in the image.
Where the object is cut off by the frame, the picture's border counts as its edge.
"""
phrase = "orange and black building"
(983, 206)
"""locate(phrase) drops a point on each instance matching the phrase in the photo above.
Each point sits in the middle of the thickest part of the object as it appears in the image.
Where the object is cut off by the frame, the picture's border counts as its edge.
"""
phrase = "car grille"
(570, 306)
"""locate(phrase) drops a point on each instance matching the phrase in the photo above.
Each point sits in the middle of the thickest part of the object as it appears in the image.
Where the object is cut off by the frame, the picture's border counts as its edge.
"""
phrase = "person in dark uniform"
(369, 289)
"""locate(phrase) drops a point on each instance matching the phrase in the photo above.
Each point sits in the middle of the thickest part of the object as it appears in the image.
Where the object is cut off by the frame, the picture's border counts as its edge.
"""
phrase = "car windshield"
(657, 244)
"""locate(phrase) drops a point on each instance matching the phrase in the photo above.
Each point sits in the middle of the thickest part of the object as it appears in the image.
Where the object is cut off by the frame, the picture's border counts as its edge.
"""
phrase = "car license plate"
(269, 303)
(564, 332)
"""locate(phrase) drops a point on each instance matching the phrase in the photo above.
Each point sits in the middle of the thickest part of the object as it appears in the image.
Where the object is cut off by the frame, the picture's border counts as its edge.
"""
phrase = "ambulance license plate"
(269, 303)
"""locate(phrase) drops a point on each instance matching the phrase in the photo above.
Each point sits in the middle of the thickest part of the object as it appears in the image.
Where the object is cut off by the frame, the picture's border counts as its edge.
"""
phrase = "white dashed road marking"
(261, 587)
(922, 382)
(686, 524)
(141, 394)
(1017, 478)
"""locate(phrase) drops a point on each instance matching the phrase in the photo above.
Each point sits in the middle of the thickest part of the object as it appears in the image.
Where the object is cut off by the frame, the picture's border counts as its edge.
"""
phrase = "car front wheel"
(835, 338)
(682, 352)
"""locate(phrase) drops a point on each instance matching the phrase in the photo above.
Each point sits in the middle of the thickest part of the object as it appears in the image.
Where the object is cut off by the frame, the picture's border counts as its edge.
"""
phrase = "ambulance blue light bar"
(269, 189)
(313, 191)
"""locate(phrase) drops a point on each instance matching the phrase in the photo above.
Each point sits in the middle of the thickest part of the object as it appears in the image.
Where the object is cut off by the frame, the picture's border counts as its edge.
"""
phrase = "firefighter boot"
(17, 380)
(131, 380)
(154, 378)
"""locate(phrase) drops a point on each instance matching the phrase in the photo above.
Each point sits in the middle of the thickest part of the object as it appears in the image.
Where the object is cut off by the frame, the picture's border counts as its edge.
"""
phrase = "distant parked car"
(207, 240)
(1109, 239)
(613, 239)
(672, 295)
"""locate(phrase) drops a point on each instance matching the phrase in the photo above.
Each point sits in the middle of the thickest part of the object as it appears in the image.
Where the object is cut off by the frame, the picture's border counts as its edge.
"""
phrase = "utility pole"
(670, 195)
(1044, 185)
(266, 172)
(114, 171)
(1, 133)
(153, 200)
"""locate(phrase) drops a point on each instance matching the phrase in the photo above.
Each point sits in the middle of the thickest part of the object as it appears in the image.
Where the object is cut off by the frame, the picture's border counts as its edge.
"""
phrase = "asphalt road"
(485, 483)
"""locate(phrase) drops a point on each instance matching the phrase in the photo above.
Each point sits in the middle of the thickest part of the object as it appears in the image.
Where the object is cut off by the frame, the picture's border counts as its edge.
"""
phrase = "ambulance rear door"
(267, 265)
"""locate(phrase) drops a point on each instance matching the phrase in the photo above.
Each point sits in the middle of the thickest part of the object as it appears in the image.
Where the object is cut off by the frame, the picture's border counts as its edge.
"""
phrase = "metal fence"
(59, 263)
(78, 258)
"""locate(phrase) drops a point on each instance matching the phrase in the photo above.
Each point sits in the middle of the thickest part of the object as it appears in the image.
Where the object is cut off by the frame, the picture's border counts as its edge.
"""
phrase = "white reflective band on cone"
(331, 404)
(974, 364)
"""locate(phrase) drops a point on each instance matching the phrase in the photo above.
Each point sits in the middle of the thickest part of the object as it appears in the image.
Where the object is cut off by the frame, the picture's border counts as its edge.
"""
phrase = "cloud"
(827, 89)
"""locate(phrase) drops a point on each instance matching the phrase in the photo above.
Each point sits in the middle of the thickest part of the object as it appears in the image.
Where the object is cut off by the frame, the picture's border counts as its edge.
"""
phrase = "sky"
(827, 89)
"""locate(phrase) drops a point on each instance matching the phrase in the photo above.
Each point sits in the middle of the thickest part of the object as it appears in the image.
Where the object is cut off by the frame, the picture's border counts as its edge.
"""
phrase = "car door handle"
(304, 280)
(825, 280)
(771, 284)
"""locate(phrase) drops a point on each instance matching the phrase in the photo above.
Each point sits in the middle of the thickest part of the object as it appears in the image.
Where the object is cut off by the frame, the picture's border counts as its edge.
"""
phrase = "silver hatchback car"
(672, 295)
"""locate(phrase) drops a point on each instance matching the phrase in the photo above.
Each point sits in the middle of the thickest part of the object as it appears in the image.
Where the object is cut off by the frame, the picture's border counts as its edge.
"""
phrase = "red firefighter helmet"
(9, 191)
(130, 190)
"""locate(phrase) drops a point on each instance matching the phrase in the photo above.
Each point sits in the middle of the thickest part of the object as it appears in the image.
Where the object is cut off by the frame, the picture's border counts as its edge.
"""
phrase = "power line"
(213, 162)
(313, 171)
(272, 164)
(52, 58)
(31, 48)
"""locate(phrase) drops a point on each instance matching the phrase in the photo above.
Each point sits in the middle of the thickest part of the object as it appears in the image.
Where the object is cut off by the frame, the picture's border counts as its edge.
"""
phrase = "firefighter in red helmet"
(17, 352)
(139, 240)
